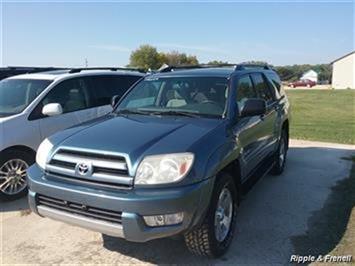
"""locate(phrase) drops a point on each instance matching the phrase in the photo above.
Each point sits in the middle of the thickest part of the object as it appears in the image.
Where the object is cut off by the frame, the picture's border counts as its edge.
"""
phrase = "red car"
(303, 83)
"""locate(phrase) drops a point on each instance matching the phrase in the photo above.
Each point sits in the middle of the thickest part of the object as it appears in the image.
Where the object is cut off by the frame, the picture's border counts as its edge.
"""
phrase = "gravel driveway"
(275, 219)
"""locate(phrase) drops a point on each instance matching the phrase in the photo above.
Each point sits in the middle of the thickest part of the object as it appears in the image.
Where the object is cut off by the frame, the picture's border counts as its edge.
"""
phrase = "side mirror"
(115, 100)
(253, 107)
(52, 109)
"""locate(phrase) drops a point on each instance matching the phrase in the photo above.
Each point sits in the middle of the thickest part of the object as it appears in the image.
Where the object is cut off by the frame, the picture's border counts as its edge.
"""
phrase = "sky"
(66, 33)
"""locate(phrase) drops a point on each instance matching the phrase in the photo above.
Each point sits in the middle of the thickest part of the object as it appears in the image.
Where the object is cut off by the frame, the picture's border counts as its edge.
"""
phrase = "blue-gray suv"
(172, 158)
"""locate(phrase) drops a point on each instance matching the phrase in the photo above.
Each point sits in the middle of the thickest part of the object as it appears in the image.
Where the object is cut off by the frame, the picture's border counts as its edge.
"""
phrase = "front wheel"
(280, 155)
(13, 174)
(215, 235)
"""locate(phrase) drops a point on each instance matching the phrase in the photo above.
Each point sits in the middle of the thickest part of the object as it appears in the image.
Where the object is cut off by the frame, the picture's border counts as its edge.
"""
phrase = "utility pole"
(86, 62)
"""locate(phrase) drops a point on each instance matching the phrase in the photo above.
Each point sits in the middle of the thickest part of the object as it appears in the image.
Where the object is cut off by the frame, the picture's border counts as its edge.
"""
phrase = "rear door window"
(275, 82)
(262, 88)
(245, 90)
(105, 87)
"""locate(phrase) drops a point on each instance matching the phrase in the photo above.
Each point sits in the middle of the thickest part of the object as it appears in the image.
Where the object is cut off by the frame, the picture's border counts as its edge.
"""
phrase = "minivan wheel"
(13, 174)
(280, 155)
(215, 235)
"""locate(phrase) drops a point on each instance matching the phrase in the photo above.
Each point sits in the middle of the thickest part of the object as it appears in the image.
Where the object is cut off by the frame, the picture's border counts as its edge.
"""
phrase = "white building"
(344, 72)
(310, 75)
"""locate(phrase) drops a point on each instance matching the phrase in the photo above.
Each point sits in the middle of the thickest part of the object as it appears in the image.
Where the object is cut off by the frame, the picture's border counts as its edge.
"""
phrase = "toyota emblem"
(83, 169)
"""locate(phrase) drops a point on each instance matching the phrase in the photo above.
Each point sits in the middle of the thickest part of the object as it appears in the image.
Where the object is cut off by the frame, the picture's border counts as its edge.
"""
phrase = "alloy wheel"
(13, 176)
(223, 215)
(282, 152)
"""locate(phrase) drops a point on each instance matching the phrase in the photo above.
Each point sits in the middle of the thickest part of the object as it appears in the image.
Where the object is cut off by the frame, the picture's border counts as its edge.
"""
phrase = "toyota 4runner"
(172, 158)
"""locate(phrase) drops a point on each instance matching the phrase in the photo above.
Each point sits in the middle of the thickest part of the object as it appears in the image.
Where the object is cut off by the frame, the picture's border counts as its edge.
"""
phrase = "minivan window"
(262, 88)
(17, 94)
(105, 87)
(72, 95)
(204, 96)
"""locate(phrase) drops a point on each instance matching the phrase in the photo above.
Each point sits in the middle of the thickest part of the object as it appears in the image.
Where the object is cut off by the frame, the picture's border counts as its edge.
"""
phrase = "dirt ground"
(299, 212)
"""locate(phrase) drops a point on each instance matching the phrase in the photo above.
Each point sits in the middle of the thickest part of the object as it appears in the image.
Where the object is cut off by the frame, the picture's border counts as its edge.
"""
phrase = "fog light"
(161, 220)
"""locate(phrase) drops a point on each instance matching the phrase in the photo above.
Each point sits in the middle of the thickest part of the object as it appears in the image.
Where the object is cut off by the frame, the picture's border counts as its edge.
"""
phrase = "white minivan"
(34, 106)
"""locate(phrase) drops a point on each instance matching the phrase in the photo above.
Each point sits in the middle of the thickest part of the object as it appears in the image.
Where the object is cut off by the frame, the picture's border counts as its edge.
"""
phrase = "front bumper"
(192, 200)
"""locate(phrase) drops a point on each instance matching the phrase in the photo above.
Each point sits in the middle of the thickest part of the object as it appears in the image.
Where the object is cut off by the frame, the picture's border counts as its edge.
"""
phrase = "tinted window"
(17, 94)
(105, 87)
(275, 80)
(262, 88)
(276, 83)
(245, 91)
(72, 95)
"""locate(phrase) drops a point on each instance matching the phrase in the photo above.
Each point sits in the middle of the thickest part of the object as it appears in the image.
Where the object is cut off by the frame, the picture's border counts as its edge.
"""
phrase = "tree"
(174, 58)
(252, 62)
(146, 57)
(294, 72)
(217, 62)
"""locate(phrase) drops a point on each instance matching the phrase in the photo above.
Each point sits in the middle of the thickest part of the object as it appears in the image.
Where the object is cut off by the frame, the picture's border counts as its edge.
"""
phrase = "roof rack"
(77, 70)
(249, 66)
(167, 68)
(25, 68)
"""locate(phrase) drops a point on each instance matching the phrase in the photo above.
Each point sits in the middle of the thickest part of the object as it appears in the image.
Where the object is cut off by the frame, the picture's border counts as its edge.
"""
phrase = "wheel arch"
(233, 169)
(20, 148)
(286, 126)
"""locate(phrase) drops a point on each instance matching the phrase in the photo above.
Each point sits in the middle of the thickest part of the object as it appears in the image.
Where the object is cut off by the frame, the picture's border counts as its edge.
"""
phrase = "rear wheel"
(215, 235)
(281, 154)
(13, 174)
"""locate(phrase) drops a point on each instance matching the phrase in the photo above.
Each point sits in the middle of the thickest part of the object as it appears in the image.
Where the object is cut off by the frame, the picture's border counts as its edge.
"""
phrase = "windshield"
(202, 96)
(17, 94)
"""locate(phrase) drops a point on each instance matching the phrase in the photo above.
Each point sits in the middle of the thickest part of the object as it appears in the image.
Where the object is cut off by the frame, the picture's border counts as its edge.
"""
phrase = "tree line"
(148, 57)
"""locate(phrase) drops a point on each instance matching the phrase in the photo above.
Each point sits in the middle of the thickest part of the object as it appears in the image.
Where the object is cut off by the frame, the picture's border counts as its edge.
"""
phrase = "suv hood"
(137, 135)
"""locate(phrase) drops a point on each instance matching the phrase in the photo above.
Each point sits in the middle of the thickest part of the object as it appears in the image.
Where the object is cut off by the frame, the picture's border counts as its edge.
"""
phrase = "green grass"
(331, 229)
(323, 115)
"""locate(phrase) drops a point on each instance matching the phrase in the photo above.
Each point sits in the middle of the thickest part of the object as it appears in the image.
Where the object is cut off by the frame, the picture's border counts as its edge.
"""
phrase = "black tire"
(279, 165)
(202, 240)
(10, 155)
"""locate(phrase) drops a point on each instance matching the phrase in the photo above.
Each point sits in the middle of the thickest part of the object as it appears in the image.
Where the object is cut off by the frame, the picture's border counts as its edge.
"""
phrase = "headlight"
(43, 152)
(162, 169)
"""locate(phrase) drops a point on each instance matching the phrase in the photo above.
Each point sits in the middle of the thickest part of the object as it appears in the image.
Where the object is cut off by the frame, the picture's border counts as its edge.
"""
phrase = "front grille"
(105, 170)
(80, 209)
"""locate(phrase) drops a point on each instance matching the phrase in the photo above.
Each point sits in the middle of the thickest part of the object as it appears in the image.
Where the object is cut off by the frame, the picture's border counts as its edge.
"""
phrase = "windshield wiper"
(154, 112)
(177, 113)
(133, 111)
